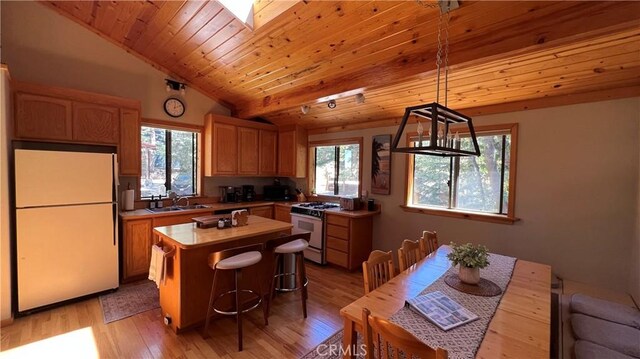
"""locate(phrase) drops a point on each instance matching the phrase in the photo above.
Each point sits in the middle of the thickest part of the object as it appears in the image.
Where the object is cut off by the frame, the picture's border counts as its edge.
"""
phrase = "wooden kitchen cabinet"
(42, 117)
(96, 123)
(282, 213)
(348, 240)
(238, 147)
(248, 149)
(268, 153)
(292, 151)
(136, 248)
(262, 211)
(129, 149)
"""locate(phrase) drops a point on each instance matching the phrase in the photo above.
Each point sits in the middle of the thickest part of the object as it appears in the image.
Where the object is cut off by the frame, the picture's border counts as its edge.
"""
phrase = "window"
(470, 187)
(169, 162)
(336, 167)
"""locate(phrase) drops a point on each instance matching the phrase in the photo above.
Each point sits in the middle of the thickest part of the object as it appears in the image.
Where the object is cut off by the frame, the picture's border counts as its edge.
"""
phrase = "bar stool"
(294, 244)
(234, 259)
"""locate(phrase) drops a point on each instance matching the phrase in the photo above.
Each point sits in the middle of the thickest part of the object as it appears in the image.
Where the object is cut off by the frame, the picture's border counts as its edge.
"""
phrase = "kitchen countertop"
(144, 213)
(189, 235)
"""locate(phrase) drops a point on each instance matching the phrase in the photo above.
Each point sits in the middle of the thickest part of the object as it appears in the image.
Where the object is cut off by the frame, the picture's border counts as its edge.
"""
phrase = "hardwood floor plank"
(144, 335)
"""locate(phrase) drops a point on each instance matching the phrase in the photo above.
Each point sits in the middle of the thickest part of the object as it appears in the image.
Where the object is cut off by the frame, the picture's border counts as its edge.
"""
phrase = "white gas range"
(309, 216)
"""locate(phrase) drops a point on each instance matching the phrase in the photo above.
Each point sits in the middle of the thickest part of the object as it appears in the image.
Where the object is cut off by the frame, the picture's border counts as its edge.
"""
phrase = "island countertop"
(188, 235)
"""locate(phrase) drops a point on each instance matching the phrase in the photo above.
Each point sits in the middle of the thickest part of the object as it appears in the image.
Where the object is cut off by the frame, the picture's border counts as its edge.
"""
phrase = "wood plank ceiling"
(503, 55)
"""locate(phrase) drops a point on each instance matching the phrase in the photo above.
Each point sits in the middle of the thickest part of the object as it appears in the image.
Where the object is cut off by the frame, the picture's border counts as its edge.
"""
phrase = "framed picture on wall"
(381, 164)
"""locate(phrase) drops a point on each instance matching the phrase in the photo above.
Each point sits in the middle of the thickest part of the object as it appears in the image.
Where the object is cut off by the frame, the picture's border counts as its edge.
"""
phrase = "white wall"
(41, 46)
(577, 179)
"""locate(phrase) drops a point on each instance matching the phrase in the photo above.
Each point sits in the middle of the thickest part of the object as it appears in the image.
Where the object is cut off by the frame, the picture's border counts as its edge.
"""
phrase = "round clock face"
(174, 107)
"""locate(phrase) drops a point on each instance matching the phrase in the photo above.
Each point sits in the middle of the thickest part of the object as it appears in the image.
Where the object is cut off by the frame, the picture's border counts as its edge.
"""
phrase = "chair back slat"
(428, 242)
(377, 270)
(409, 254)
(382, 337)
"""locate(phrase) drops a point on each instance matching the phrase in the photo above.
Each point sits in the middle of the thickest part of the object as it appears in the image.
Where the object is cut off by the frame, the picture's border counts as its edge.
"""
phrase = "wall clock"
(174, 107)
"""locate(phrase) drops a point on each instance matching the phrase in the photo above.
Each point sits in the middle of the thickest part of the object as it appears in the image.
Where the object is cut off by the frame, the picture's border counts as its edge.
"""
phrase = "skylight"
(241, 9)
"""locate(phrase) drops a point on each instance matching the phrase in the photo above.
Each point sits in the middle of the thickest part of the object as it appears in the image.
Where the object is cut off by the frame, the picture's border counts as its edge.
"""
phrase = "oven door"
(315, 251)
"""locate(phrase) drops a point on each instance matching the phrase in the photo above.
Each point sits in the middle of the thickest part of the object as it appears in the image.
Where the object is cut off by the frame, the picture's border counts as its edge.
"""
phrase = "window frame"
(172, 126)
(508, 218)
(333, 142)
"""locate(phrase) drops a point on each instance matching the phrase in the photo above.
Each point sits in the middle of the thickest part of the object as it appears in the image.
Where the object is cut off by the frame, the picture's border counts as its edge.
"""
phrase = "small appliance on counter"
(277, 193)
(231, 194)
(248, 193)
(350, 203)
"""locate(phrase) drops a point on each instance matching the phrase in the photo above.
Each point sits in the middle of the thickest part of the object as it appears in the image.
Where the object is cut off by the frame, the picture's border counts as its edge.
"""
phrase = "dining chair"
(384, 340)
(377, 270)
(428, 243)
(409, 253)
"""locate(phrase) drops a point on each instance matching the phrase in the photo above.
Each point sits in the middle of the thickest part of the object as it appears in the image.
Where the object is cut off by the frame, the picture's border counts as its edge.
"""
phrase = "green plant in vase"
(470, 258)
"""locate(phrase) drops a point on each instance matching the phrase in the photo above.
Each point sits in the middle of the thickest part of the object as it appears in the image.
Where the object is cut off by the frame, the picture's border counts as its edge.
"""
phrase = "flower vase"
(469, 275)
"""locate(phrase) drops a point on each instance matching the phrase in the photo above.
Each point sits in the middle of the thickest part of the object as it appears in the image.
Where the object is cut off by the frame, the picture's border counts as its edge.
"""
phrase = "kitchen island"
(184, 295)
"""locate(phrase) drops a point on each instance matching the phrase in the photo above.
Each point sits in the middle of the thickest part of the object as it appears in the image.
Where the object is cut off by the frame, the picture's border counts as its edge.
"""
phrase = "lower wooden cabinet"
(282, 213)
(136, 248)
(348, 240)
(137, 239)
(262, 211)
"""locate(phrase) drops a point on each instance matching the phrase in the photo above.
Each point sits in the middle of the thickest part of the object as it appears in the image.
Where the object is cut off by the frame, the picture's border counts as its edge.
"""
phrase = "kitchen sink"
(164, 209)
(178, 208)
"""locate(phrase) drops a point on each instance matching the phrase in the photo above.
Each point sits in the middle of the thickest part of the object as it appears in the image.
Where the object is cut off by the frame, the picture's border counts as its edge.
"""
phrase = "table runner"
(463, 341)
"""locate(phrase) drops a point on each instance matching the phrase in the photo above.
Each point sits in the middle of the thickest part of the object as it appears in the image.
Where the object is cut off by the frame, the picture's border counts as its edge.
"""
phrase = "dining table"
(520, 327)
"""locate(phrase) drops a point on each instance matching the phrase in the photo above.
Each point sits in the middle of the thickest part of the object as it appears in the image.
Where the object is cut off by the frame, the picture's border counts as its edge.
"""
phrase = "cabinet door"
(287, 153)
(137, 244)
(95, 123)
(225, 149)
(129, 150)
(42, 117)
(265, 211)
(248, 139)
(282, 214)
(268, 153)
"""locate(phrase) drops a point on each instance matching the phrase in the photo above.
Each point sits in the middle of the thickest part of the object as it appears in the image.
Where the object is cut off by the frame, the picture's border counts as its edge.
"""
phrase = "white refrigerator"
(66, 238)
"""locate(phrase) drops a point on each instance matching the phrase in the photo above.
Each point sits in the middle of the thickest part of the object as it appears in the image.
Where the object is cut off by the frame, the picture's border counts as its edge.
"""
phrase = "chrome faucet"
(175, 198)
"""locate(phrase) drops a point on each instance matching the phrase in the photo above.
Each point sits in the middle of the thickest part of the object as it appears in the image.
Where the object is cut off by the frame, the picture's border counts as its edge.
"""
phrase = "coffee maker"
(248, 193)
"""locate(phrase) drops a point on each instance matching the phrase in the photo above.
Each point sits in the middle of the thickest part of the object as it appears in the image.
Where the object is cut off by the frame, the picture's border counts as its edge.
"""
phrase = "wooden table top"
(188, 235)
(520, 327)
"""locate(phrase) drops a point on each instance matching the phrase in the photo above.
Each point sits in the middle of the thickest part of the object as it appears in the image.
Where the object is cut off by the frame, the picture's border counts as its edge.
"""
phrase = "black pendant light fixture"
(442, 122)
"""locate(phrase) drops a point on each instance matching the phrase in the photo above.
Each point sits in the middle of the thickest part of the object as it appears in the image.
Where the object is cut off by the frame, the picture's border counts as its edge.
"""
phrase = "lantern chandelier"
(441, 121)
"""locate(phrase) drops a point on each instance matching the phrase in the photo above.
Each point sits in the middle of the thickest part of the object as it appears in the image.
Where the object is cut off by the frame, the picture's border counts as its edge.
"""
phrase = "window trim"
(333, 142)
(508, 218)
(172, 126)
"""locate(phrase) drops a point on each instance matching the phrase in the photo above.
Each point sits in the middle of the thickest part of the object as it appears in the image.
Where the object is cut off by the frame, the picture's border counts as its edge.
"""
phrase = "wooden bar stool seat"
(235, 260)
(294, 244)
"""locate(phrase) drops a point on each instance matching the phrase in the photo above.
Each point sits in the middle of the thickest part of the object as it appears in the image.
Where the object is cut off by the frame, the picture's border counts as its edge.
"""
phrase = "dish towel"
(157, 266)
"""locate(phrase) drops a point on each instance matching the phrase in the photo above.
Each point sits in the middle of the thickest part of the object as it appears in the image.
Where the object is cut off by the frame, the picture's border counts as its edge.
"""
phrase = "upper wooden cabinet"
(248, 141)
(42, 117)
(292, 152)
(45, 113)
(129, 150)
(268, 153)
(238, 147)
(96, 124)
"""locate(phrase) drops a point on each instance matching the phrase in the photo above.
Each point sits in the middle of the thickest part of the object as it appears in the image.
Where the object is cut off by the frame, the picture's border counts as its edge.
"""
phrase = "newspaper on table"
(441, 310)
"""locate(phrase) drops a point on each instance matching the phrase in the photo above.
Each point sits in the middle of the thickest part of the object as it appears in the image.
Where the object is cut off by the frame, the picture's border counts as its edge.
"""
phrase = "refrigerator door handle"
(115, 223)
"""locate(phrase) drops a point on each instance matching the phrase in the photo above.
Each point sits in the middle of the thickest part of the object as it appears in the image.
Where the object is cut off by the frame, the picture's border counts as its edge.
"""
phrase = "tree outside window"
(169, 162)
(475, 184)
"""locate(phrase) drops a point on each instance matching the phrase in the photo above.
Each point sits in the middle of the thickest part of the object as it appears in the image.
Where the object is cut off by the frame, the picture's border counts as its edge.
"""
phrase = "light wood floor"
(79, 329)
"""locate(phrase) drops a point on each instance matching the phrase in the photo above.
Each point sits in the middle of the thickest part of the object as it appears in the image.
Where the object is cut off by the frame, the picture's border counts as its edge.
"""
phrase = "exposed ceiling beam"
(544, 102)
(552, 31)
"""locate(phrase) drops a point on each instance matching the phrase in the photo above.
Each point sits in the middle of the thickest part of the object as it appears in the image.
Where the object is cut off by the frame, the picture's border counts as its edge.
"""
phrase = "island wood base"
(184, 296)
